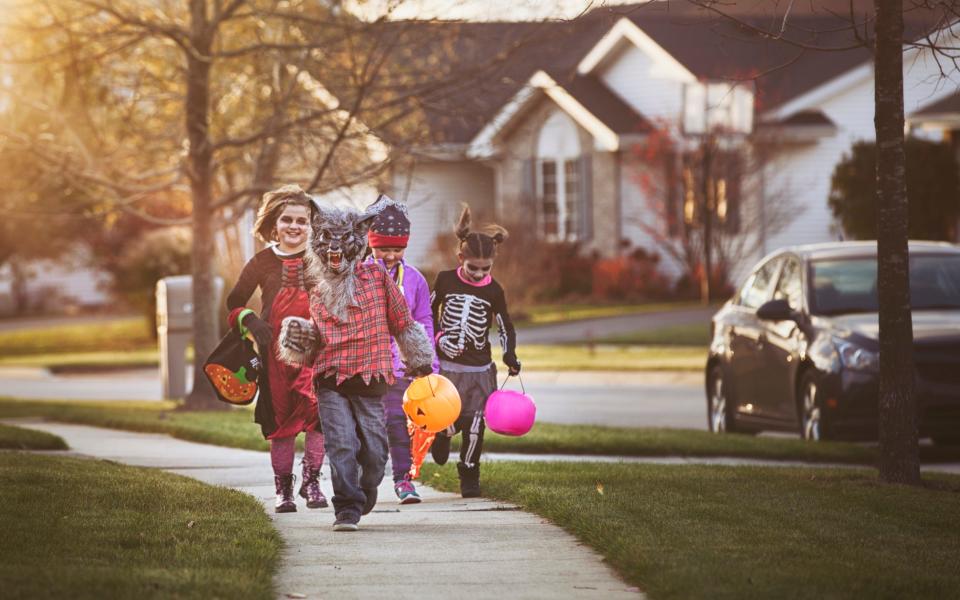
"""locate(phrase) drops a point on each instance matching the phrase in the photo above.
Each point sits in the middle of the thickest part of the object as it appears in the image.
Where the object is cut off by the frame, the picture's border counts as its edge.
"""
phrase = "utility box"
(175, 329)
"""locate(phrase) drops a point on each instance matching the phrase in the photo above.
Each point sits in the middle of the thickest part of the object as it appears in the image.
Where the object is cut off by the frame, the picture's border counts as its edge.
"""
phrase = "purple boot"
(310, 487)
(285, 502)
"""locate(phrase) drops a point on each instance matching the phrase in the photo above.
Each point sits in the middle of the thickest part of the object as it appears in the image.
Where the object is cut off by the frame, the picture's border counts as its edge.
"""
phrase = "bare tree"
(210, 102)
(708, 204)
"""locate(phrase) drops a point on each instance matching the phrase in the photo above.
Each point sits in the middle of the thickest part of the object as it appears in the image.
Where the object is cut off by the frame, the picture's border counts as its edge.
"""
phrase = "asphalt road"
(586, 330)
(616, 399)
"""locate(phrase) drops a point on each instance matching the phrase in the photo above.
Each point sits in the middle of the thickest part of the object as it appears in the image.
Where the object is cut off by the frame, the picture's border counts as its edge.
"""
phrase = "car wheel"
(810, 415)
(720, 417)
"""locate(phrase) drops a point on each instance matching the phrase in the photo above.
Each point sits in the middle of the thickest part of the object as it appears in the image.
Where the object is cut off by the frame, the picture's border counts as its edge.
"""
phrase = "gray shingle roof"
(711, 47)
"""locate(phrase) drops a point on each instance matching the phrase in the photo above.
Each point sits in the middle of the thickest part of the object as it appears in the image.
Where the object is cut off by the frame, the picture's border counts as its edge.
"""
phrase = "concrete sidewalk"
(444, 547)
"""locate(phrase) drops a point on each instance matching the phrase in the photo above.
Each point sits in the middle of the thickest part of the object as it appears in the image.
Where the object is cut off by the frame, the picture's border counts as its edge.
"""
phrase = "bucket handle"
(522, 389)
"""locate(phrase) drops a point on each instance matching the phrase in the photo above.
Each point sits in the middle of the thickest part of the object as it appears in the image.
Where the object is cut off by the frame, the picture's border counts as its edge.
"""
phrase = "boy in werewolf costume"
(355, 308)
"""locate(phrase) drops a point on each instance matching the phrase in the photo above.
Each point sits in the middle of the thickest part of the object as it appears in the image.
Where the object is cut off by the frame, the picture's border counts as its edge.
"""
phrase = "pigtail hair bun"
(463, 224)
(497, 233)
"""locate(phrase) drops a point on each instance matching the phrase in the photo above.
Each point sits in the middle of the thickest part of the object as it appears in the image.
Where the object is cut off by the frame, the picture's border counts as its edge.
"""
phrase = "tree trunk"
(200, 173)
(706, 216)
(18, 286)
(899, 460)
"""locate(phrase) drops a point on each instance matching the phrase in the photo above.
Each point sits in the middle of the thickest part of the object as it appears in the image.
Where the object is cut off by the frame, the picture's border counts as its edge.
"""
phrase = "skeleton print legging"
(474, 389)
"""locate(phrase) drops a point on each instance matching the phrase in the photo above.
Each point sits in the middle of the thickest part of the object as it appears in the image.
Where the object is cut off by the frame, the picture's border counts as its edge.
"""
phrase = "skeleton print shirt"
(463, 314)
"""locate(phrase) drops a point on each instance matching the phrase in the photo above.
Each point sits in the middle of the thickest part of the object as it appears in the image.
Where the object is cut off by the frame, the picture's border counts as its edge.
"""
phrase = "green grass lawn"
(120, 335)
(86, 361)
(77, 528)
(541, 314)
(745, 532)
(235, 428)
(535, 358)
(28, 439)
(610, 357)
(696, 334)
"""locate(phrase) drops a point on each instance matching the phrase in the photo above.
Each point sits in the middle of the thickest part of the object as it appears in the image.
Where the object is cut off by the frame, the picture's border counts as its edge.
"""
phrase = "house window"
(559, 191)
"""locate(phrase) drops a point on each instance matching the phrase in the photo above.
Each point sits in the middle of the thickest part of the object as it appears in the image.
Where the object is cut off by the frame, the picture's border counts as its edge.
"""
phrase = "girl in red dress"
(286, 405)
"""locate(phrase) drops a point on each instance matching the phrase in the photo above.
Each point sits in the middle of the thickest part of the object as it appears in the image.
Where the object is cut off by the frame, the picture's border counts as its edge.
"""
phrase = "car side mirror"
(776, 310)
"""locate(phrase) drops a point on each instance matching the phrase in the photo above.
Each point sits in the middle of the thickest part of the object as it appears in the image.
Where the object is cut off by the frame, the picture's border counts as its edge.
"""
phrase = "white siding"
(639, 213)
(436, 192)
(652, 90)
(810, 167)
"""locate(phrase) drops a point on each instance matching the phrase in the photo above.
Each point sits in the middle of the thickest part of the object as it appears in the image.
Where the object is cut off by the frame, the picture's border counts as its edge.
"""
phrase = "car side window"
(754, 291)
(790, 287)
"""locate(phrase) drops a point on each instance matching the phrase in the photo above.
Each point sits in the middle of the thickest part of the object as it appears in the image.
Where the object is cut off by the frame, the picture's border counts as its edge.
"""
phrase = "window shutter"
(586, 198)
(528, 185)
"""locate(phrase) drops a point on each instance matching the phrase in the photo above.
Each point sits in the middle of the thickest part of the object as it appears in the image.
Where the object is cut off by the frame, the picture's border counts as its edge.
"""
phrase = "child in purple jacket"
(388, 238)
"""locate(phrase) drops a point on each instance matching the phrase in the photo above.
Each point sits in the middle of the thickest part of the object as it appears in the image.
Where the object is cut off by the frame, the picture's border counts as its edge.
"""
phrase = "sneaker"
(371, 495)
(406, 492)
(440, 449)
(346, 522)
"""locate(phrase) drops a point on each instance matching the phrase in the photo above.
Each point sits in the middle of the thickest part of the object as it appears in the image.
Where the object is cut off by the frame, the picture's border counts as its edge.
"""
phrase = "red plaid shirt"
(361, 344)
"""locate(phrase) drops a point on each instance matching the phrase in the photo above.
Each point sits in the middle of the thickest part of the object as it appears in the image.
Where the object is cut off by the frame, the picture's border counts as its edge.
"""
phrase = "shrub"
(159, 253)
(634, 277)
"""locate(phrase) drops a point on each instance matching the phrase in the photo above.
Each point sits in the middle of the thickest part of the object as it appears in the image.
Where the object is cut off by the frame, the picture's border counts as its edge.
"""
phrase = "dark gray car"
(796, 349)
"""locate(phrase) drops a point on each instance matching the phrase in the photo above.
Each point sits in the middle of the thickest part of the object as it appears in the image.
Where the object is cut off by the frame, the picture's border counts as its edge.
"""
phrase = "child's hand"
(513, 364)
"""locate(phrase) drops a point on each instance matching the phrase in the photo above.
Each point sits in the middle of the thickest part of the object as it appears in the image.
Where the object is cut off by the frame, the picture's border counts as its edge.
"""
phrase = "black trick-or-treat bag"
(235, 370)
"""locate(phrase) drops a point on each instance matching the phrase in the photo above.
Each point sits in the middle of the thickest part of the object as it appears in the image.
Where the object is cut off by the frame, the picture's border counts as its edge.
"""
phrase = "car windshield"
(849, 285)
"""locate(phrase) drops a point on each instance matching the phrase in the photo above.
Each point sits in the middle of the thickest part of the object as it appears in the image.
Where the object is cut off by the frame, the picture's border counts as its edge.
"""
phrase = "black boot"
(440, 449)
(469, 480)
(310, 487)
(285, 502)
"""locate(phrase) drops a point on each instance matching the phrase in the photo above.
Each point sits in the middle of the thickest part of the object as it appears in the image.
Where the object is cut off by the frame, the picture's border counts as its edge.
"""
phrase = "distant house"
(550, 141)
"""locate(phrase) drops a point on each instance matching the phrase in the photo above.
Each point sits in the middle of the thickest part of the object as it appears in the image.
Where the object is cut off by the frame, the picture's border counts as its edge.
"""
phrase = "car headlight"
(857, 358)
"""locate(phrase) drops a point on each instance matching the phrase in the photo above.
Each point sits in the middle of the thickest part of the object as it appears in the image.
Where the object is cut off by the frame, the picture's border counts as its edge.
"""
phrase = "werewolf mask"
(338, 243)
(339, 239)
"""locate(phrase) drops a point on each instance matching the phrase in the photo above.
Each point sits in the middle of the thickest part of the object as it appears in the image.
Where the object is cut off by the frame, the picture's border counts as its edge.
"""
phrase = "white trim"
(820, 94)
(481, 146)
(864, 72)
(627, 30)
(604, 138)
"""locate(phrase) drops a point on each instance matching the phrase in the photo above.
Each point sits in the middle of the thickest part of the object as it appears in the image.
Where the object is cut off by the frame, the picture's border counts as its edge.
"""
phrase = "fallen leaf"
(599, 488)
(190, 525)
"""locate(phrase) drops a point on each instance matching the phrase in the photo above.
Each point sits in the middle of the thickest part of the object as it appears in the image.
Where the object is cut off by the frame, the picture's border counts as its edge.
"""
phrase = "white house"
(551, 143)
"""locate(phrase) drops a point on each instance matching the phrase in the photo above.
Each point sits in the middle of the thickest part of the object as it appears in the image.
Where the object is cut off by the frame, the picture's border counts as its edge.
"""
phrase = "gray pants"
(356, 444)
(474, 389)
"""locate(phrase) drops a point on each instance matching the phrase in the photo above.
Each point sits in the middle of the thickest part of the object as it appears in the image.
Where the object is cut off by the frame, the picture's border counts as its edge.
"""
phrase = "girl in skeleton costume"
(465, 304)
(286, 405)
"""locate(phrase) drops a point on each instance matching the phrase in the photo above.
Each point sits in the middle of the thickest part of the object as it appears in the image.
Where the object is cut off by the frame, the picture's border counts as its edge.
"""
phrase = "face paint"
(292, 226)
(477, 268)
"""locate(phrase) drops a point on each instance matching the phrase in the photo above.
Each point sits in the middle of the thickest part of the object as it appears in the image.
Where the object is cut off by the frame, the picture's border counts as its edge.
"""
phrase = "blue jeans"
(356, 445)
(397, 428)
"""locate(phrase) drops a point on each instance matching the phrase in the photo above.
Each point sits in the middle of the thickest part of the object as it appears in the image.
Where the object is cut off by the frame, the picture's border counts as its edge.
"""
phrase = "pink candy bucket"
(510, 413)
